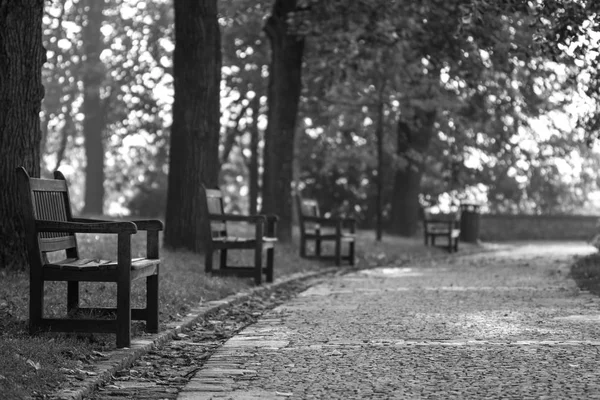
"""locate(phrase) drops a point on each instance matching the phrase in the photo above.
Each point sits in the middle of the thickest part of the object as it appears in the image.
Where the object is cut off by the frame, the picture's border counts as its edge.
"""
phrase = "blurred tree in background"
(469, 100)
(131, 66)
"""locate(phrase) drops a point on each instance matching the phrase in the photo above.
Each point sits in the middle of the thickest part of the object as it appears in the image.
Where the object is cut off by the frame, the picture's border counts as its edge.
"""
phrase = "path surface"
(507, 324)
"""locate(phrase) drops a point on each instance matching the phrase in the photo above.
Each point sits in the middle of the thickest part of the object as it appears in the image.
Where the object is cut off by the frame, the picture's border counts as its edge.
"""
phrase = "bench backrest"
(214, 203)
(441, 220)
(452, 216)
(45, 199)
(307, 208)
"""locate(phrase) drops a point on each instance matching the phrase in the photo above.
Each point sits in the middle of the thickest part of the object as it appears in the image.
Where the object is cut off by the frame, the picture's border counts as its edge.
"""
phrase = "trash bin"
(469, 222)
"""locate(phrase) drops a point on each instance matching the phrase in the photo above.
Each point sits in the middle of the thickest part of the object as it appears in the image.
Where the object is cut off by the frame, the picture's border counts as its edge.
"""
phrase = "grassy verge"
(34, 365)
(586, 273)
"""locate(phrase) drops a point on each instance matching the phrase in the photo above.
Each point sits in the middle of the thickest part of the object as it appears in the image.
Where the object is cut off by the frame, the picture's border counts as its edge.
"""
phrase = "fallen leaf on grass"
(98, 354)
(33, 364)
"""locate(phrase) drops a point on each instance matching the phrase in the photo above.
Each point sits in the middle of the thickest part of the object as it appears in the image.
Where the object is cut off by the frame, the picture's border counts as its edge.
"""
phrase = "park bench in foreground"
(50, 227)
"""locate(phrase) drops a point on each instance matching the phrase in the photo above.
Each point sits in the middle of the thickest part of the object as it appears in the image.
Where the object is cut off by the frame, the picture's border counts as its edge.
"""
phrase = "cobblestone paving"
(508, 325)
(161, 373)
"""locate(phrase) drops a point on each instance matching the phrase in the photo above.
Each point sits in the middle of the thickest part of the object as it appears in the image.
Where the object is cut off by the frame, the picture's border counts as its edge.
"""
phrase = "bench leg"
(152, 304)
(223, 258)
(433, 240)
(318, 247)
(123, 314)
(426, 241)
(351, 253)
(72, 296)
(338, 251)
(456, 244)
(258, 265)
(270, 262)
(36, 304)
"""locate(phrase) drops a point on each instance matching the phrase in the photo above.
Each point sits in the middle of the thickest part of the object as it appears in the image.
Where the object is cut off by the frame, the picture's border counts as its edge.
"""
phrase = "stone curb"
(123, 358)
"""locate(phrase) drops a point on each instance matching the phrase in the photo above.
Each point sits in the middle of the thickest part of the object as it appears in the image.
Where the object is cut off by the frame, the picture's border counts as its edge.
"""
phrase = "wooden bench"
(442, 225)
(220, 240)
(50, 227)
(322, 229)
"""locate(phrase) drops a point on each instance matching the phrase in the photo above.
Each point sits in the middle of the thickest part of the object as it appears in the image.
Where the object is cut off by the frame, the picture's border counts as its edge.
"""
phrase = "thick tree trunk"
(254, 156)
(285, 84)
(93, 124)
(194, 152)
(413, 143)
(21, 58)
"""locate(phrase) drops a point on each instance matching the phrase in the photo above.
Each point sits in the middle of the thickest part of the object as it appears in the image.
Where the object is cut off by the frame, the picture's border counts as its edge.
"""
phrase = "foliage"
(504, 98)
(494, 86)
(136, 92)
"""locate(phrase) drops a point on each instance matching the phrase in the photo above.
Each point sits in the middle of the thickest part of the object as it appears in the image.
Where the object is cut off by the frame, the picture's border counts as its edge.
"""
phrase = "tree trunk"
(21, 91)
(194, 151)
(413, 143)
(285, 84)
(254, 156)
(93, 123)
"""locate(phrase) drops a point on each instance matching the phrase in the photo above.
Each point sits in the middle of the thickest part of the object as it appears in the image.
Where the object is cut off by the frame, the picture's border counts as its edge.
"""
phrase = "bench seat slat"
(87, 264)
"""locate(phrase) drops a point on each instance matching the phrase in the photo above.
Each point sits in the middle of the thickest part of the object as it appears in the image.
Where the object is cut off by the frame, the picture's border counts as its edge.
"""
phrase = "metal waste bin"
(469, 222)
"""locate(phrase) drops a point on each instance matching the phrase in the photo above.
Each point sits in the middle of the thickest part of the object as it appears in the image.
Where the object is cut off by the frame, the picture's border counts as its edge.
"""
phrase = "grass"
(36, 365)
(586, 273)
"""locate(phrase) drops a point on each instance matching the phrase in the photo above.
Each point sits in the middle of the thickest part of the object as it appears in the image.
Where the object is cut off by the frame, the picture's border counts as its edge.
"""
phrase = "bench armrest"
(333, 222)
(321, 220)
(83, 227)
(148, 224)
(239, 218)
(142, 225)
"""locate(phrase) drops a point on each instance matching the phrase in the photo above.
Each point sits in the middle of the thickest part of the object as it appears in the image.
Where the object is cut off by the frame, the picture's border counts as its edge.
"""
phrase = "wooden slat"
(102, 275)
(144, 272)
(55, 244)
(214, 193)
(98, 273)
(309, 208)
(48, 184)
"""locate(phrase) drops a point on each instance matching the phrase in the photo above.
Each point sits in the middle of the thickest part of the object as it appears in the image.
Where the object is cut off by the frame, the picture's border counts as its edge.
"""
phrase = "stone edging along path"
(119, 359)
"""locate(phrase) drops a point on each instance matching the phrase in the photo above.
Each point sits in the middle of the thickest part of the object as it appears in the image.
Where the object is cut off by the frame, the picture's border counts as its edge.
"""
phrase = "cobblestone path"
(508, 325)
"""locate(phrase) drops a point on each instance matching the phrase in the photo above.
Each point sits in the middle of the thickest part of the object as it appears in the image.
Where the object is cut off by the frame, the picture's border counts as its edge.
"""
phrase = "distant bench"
(444, 225)
(262, 240)
(322, 229)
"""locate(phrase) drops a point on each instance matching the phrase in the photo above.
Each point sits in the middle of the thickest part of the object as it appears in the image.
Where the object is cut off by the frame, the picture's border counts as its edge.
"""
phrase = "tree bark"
(254, 156)
(194, 151)
(413, 143)
(285, 84)
(21, 91)
(93, 123)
